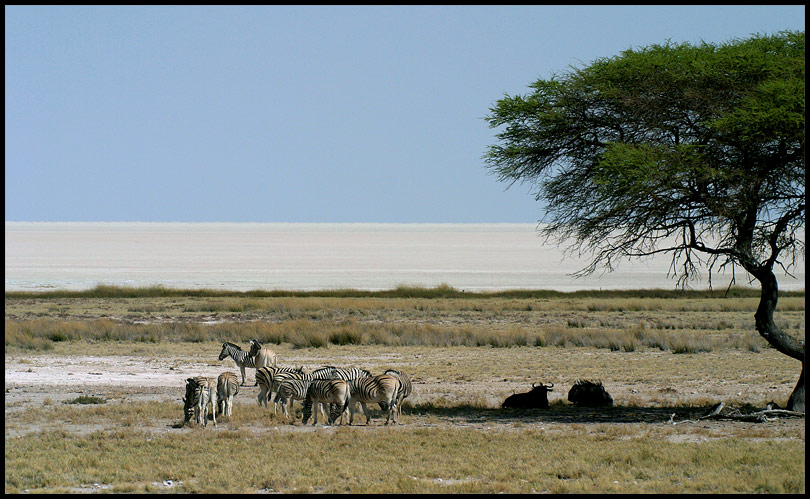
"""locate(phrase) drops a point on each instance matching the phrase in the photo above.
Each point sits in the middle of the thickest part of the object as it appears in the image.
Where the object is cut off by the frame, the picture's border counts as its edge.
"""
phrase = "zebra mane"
(233, 345)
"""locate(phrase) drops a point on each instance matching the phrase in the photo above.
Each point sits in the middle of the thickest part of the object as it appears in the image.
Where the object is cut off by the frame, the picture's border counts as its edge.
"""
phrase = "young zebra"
(200, 391)
(326, 392)
(227, 388)
(402, 393)
(268, 379)
(262, 356)
(242, 358)
(289, 390)
(382, 388)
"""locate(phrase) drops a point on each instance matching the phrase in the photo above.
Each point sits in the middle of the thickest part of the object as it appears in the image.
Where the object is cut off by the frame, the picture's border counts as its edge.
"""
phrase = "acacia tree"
(692, 150)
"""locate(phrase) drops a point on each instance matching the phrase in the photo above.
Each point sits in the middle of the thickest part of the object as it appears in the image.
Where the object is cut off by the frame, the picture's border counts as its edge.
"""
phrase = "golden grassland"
(392, 460)
(658, 352)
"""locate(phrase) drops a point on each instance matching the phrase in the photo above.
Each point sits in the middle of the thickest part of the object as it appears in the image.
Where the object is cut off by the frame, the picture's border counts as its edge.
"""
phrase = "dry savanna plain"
(94, 382)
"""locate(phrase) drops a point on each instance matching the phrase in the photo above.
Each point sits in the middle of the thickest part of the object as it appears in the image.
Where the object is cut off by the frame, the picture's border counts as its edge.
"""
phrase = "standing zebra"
(241, 357)
(326, 392)
(227, 388)
(268, 379)
(289, 390)
(382, 388)
(327, 372)
(200, 391)
(263, 356)
(404, 389)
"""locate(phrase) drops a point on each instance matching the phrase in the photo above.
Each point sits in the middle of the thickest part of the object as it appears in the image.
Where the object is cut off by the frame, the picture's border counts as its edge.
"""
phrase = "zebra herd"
(334, 390)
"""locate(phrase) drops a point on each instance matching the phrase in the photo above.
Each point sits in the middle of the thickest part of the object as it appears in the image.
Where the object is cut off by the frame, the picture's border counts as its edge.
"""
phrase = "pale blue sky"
(296, 113)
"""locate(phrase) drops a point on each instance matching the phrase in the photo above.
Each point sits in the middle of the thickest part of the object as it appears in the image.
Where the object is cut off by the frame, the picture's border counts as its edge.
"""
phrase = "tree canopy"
(696, 150)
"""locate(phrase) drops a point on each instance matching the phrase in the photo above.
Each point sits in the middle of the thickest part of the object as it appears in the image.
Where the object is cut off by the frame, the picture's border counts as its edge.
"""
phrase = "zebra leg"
(288, 409)
(392, 412)
(343, 410)
(213, 408)
(242, 368)
(201, 411)
(283, 405)
(366, 412)
(262, 397)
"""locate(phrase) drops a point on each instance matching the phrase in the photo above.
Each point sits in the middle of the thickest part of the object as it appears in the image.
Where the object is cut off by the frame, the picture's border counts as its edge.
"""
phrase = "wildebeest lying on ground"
(589, 394)
(537, 398)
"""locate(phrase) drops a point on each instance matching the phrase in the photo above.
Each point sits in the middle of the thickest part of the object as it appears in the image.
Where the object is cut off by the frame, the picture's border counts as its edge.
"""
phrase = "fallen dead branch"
(762, 416)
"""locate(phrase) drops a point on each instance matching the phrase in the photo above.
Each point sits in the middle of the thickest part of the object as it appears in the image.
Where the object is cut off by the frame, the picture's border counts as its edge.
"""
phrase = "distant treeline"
(440, 291)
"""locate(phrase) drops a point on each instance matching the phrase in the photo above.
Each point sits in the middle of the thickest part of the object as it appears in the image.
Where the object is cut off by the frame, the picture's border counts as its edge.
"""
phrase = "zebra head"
(227, 348)
(188, 401)
(255, 346)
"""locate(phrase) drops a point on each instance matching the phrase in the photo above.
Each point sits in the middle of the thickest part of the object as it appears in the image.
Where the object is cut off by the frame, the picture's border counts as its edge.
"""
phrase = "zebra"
(289, 390)
(268, 379)
(281, 377)
(332, 372)
(227, 388)
(403, 392)
(380, 388)
(325, 392)
(263, 356)
(200, 391)
(327, 372)
(242, 358)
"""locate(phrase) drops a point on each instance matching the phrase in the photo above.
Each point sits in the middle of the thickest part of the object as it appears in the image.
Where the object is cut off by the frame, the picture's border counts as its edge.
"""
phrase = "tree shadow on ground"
(561, 414)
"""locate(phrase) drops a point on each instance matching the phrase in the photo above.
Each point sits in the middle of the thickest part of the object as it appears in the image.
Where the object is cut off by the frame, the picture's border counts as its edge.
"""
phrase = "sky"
(297, 113)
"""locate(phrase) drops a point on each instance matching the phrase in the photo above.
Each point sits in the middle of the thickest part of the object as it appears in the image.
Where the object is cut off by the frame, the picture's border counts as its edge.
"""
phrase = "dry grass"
(657, 355)
(461, 461)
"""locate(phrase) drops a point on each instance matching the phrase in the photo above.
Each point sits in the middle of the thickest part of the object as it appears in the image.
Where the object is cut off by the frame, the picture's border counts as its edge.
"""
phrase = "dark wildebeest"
(537, 398)
(589, 394)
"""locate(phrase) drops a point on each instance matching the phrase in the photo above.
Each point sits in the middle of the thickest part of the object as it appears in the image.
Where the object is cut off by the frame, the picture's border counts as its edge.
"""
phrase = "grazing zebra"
(242, 358)
(326, 392)
(262, 356)
(268, 379)
(403, 392)
(200, 391)
(332, 372)
(380, 388)
(289, 390)
(227, 388)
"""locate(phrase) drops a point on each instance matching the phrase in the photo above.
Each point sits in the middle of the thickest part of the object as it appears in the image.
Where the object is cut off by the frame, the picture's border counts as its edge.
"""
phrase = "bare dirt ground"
(48, 380)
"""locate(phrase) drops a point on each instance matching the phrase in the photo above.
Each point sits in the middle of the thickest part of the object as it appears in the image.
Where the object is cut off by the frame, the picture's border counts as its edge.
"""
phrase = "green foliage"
(695, 150)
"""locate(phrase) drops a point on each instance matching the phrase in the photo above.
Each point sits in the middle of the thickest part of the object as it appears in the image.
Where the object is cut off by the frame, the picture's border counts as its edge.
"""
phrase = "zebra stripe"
(289, 390)
(268, 378)
(380, 388)
(325, 392)
(405, 389)
(241, 357)
(328, 372)
(227, 388)
(200, 391)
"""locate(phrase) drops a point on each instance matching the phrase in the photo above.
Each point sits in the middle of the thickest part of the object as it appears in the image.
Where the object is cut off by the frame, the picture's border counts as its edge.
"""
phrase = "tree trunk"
(796, 400)
(774, 335)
